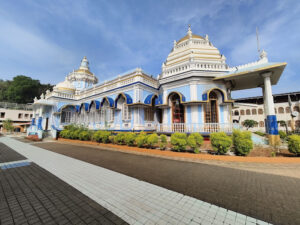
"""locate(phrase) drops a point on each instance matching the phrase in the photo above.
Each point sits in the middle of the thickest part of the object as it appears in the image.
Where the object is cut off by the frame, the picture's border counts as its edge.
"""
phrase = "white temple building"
(192, 94)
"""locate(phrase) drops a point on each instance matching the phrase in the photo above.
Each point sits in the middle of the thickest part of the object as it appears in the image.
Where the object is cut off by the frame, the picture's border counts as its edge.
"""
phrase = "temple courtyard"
(53, 182)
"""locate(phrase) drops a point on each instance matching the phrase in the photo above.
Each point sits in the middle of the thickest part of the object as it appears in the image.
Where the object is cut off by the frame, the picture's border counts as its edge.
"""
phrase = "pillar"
(271, 121)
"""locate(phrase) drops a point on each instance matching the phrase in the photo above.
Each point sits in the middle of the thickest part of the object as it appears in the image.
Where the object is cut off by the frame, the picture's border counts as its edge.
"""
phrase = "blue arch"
(181, 96)
(86, 106)
(97, 104)
(205, 95)
(110, 101)
(149, 98)
(127, 97)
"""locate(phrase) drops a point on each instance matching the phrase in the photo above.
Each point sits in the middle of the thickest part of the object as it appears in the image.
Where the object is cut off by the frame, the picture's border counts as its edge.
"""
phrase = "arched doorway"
(177, 109)
(211, 108)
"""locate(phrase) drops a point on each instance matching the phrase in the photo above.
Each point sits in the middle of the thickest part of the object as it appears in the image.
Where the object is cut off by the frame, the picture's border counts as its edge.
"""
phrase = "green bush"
(141, 139)
(220, 142)
(163, 142)
(260, 133)
(130, 138)
(152, 140)
(195, 140)
(85, 135)
(120, 138)
(282, 134)
(179, 141)
(111, 138)
(64, 134)
(101, 136)
(294, 144)
(242, 142)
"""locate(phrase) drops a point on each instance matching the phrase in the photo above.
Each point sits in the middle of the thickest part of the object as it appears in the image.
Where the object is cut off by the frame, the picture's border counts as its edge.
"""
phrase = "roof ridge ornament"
(189, 31)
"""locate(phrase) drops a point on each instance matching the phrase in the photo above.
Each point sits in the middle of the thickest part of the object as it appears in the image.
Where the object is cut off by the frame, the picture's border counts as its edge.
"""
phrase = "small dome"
(65, 86)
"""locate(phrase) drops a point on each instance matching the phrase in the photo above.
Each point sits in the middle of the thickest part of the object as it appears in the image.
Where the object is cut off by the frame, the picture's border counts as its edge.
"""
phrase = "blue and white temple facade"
(192, 94)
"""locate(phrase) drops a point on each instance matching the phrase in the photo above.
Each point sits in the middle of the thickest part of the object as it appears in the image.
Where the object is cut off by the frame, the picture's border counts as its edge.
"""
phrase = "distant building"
(253, 108)
(192, 94)
(20, 114)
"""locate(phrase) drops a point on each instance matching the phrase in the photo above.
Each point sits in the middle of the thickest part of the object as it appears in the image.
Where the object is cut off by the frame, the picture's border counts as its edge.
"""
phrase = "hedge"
(152, 140)
(179, 141)
(242, 142)
(141, 139)
(294, 144)
(220, 142)
(163, 142)
(195, 140)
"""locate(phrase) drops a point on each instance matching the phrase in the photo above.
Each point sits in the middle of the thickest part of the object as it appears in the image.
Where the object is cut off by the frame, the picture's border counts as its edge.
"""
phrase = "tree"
(8, 125)
(283, 124)
(22, 89)
(249, 123)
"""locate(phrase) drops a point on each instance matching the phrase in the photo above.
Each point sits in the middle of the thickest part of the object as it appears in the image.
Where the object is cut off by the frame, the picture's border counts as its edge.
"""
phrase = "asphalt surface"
(272, 198)
(32, 195)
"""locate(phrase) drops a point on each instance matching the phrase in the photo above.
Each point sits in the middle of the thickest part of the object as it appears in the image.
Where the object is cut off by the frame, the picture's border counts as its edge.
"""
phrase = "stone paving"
(32, 195)
(135, 201)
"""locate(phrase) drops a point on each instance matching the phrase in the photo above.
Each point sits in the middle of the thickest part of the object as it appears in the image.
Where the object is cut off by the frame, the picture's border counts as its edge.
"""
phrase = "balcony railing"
(196, 127)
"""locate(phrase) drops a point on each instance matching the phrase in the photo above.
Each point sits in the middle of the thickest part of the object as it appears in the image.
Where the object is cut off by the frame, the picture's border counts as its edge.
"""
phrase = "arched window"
(248, 112)
(296, 108)
(211, 108)
(254, 112)
(261, 124)
(242, 112)
(288, 109)
(107, 113)
(236, 113)
(68, 115)
(177, 108)
(280, 110)
(260, 111)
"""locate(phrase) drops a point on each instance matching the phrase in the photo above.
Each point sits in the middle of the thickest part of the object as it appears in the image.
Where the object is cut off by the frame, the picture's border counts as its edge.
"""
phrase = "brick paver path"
(32, 195)
(135, 201)
(268, 197)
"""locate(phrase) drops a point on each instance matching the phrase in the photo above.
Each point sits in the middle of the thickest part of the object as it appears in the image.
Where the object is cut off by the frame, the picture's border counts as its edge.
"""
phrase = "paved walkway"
(134, 201)
(30, 195)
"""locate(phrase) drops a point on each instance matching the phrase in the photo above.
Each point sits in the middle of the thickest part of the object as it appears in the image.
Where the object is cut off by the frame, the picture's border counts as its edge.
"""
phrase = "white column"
(193, 91)
(268, 97)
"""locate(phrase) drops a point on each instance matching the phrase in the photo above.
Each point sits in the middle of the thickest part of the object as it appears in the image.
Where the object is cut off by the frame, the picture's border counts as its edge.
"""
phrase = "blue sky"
(47, 39)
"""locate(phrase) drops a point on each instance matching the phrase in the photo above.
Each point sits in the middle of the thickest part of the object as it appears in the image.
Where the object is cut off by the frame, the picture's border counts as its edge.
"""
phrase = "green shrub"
(111, 138)
(220, 142)
(85, 135)
(294, 144)
(242, 142)
(130, 138)
(152, 140)
(260, 133)
(101, 136)
(163, 142)
(179, 141)
(120, 138)
(64, 134)
(141, 139)
(282, 134)
(195, 140)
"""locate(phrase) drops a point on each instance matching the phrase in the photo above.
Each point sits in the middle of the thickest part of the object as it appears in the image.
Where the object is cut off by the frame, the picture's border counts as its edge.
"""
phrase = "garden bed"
(255, 157)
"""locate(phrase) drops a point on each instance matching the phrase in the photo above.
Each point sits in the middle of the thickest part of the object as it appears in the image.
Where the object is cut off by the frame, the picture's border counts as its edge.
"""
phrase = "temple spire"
(84, 65)
(189, 31)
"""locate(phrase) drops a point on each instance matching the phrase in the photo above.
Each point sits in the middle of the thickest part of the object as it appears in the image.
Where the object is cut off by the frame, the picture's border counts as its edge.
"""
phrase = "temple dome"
(193, 52)
(83, 73)
(65, 86)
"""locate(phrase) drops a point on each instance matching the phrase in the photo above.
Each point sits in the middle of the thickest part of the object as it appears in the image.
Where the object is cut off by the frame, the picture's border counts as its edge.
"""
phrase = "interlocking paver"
(112, 190)
(31, 195)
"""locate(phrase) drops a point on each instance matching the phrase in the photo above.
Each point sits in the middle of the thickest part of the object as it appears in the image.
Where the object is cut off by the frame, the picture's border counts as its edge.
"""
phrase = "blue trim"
(33, 121)
(86, 106)
(40, 123)
(222, 113)
(148, 99)
(271, 125)
(77, 107)
(127, 98)
(159, 100)
(97, 103)
(110, 101)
